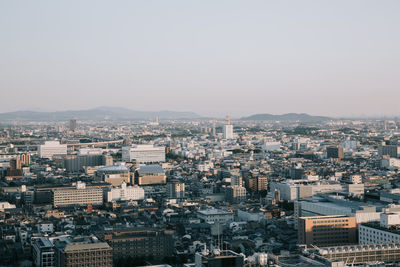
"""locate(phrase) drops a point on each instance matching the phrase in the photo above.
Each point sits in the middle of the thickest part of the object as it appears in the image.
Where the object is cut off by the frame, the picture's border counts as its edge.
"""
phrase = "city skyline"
(338, 59)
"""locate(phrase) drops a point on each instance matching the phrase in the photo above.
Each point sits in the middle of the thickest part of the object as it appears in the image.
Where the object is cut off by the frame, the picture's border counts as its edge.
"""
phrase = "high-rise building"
(140, 243)
(235, 194)
(334, 152)
(143, 154)
(327, 230)
(25, 158)
(228, 129)
(84, 251)
(257, 184)
(43, 252)
(52, 148)
(72, 125)
(390, 150)
(176, 189)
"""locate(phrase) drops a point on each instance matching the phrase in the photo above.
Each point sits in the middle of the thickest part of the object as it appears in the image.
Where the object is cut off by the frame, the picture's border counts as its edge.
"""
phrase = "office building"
(43, 253)
(125, 193)
(257, 184)
(72, 125)
(114, 175)
(84, 251)
(334, 152)
(228, 129)
(24, 158)
(215, 216)
(385, 230)
(176, 189)
(140, 243)
(80, 195)
(150, 175)
(52, 148)
(235, 194)
(75, 163)
(143, 154)
(326, 231)
(392, 151)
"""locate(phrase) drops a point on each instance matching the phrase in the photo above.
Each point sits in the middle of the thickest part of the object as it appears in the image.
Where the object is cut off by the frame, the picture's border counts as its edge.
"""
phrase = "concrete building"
(176, 189)
(114, 175)
(257, 184)
(228, 129)
(150, 175)
(360, 255)
(389, 163)
(298, 189)
(215, 216)
(218, 258)
(334, 152)
(235, 194)
(325, 231)
(72, 125)
(6, 205)
(125, 193)
(87, 251)
(392, 151)
(75, 163)
(142, 243)
(51, 148)
(385, 230)
(43, 253)
(332, 205)
(80, 195)
(143, 154)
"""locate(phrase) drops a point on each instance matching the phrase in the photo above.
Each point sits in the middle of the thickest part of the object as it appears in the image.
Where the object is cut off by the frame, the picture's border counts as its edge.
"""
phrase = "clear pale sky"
(336, 58)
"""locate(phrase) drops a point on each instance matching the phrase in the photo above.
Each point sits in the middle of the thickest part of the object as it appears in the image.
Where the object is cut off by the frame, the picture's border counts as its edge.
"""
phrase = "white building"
(90, 151)
(271, 146)
(384, 231)
(6, 205)
(215, 216)
(51, 148)
(390, 163)
(228, 129)
(143, 153)
(125, 193)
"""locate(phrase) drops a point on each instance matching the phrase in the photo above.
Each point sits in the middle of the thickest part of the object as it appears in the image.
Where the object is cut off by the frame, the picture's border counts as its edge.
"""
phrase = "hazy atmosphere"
(332, 58)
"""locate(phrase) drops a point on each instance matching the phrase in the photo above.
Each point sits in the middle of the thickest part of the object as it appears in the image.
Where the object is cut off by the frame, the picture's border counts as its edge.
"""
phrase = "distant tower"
(228, 129)
(72, 125)
(214, 132)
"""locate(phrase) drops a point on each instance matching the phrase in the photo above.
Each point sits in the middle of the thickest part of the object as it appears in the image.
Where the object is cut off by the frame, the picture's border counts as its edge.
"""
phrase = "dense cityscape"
(200, 193)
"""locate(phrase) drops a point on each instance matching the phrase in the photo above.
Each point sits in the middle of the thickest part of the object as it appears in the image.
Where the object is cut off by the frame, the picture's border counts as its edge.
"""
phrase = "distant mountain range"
(96, 114)
(289, 117)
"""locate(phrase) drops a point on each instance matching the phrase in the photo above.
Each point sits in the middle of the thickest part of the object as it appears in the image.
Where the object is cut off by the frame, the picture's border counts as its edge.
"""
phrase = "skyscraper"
(228, 129)
(72, 125)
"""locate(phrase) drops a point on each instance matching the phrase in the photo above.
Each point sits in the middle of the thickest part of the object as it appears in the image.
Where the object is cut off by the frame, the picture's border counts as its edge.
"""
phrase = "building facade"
(327, 230)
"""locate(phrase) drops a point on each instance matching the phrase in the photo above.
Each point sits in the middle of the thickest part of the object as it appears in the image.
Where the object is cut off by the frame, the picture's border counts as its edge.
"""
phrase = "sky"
(212, 57)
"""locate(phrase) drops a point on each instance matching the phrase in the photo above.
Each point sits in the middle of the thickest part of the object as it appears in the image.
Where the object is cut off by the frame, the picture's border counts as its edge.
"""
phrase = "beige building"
(326, 231)
(80, 195)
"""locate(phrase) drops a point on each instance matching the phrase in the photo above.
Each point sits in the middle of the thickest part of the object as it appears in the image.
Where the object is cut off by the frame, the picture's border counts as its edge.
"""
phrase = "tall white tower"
(228, 129)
